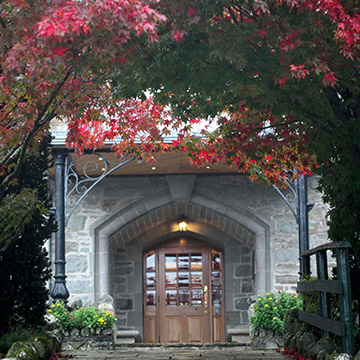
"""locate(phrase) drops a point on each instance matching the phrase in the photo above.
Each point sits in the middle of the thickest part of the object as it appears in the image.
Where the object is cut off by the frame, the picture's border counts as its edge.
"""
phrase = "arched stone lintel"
(136, 212)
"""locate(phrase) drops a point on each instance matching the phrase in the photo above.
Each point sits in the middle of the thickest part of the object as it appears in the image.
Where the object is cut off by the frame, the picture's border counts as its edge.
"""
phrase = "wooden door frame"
(156, 311)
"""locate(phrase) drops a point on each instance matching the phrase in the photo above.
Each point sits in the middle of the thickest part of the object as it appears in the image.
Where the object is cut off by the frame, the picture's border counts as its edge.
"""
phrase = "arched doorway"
(183, 293)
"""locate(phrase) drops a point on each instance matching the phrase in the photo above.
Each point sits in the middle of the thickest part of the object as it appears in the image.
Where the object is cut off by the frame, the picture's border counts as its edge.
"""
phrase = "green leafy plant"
(270, 310)
(93, 318)
(89, 317)
(64, 316)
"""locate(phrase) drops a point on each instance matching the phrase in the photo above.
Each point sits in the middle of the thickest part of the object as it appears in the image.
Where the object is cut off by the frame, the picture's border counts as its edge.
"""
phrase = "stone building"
(123, 239)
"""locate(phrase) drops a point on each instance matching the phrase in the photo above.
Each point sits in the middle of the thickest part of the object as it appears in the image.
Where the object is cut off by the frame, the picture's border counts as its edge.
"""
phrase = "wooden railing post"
(324, 286)
(322, 274)
(343, 272)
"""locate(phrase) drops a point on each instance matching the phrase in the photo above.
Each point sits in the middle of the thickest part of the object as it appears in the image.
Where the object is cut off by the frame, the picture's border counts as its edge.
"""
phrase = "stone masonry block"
(78, 286)
(75, 264)
(124, 303)
(242, 270)
(241, 303)
(232, 318)
(76, 223)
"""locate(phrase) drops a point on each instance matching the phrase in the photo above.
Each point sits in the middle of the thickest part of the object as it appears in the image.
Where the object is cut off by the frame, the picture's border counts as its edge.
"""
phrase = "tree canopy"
(283, 79)
(280, 77)
(55, 61)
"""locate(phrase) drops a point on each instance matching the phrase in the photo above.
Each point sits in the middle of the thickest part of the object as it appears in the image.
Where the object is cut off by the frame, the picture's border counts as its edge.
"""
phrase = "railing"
(344, 326)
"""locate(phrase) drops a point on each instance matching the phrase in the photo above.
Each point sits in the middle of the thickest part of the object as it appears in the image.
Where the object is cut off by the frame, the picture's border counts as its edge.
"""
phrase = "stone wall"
(123, 216)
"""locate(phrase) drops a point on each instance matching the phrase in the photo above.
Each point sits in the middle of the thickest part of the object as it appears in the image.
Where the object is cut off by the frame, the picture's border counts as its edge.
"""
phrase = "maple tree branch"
(39, 123)
(233, 15)
(53, 95)
(9, 155)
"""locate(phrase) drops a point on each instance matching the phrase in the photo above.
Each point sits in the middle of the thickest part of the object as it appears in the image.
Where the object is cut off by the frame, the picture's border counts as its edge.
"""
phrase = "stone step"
(167, 353)
(240, 335)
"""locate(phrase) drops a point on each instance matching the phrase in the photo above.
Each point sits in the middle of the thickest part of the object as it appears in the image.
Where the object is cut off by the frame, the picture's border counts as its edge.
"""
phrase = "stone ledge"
(239, 335)
(126, 336)
(91, 342)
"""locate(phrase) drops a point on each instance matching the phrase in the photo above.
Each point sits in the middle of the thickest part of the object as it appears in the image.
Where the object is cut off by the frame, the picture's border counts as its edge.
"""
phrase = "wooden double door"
(183, 293)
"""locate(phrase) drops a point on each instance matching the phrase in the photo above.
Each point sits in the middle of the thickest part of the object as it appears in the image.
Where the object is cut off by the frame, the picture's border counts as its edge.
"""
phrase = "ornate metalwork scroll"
(78, 186)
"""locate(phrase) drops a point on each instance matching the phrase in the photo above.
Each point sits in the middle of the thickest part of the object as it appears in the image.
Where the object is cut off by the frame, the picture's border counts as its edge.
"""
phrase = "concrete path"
(176, 353)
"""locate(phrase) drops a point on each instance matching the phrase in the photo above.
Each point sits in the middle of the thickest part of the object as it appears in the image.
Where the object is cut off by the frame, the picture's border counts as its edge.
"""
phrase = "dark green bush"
(18, 334)
(24, 266)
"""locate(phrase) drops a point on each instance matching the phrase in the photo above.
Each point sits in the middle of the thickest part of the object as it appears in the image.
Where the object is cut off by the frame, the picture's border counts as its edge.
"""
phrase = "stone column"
(60, 291)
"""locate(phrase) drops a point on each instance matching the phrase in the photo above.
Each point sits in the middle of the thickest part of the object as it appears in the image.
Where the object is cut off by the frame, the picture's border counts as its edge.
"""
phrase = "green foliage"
(24, 265)
(17, 334)
(270, 310)
(89, 317)
(63, 315)
(93, 318)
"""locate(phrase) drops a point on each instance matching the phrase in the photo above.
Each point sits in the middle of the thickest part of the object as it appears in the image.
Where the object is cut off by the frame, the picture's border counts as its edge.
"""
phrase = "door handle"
(205, 295)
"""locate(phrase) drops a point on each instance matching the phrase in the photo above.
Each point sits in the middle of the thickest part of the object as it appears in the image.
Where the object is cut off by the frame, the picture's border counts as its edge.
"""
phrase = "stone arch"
(150, 221)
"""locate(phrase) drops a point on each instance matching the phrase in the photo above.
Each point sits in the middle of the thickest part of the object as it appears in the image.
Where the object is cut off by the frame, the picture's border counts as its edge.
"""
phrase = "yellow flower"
(49, 311)
(275, 307)
(52, 306)
(266, 305)
(270, 298)
(259, 299)
(259, 295)
(274, 318)
(267, 294)
(57, 304)
(295, 296)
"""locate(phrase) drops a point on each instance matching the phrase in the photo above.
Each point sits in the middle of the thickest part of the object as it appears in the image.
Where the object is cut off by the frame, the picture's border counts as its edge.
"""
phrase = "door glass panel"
(216, 282)
(196, 262)
(184, 297)
(171, 280)
(184, 279)
(150, 297)
(216, 278)
(183, 262)
(171, 297)
(215, 260)
(170, 262)
(196, 279)
(150, 280)
(196, 297)
(150, 261)
(216, 296)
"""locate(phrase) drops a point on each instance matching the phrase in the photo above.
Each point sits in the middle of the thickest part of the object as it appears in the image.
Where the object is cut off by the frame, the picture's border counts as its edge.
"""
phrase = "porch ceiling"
(166, 163)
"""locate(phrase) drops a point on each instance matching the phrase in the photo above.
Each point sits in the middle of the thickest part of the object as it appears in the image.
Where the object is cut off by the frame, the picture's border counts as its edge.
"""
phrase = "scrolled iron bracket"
(80, 186)
(289, 197)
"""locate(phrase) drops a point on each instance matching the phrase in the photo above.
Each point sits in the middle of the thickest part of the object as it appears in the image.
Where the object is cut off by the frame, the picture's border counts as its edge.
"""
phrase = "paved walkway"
(176, 353)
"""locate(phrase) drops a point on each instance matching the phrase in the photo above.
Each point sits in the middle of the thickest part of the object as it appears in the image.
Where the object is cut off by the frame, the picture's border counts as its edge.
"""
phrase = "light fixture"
(208, 167)
(153, 168)
(182, 225)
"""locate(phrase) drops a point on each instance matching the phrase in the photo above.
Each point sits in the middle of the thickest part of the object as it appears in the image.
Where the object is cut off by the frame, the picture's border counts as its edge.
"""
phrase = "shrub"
(89, 317)
(17, 334)
(24, 265)
(270, 310)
